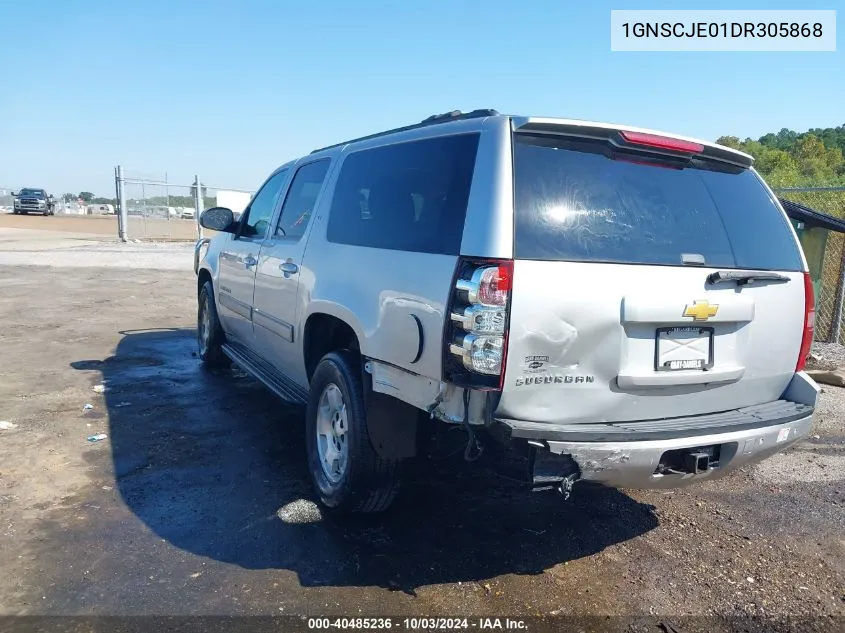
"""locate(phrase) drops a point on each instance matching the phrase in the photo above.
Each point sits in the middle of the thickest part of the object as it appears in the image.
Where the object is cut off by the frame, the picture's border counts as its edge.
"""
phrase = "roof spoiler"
(622, 136)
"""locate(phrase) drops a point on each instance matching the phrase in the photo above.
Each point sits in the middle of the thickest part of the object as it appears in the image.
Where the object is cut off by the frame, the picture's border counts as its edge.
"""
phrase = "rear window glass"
(577, 201)
(409, 196)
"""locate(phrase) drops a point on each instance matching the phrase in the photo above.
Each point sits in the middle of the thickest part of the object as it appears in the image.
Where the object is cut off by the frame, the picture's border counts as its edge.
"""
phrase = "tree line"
(801, 159)
(793, 159)
(154, 201)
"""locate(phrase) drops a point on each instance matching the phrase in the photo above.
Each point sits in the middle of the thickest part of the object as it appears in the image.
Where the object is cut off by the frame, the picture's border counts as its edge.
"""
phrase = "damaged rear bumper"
(675, 452)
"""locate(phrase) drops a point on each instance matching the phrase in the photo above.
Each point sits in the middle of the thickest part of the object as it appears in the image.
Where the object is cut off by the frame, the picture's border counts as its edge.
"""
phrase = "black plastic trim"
(758, 416)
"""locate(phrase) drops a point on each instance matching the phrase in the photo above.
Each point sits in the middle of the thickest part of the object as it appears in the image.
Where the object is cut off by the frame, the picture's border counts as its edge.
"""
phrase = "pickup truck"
(31, 200)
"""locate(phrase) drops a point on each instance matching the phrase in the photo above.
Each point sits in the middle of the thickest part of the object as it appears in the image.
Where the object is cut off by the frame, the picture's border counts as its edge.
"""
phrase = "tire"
(210, 336)
(363, 482)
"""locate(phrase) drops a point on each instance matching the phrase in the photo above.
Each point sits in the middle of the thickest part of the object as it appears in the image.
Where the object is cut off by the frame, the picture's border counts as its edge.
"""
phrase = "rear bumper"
(628, 455)
(633, 464)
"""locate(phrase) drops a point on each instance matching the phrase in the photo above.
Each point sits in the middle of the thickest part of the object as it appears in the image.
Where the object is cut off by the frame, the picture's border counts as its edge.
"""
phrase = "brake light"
(809, 323)
(475, 338)
(661, 142)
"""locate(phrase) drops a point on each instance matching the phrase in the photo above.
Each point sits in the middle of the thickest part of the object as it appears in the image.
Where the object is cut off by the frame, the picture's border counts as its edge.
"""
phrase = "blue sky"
(230, 90)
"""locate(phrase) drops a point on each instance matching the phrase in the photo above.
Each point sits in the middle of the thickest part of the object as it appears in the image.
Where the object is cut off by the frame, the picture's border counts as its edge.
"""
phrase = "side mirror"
(14, 194)
(218, 219)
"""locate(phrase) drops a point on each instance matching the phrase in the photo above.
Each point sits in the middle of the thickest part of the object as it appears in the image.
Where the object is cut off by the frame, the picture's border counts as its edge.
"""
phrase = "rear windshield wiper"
(742, 277)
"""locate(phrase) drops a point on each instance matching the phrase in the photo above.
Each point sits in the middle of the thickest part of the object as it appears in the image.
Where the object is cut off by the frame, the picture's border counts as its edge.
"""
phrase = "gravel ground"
(26, 247)
(827, 356)
(104, 225)
(198, 500)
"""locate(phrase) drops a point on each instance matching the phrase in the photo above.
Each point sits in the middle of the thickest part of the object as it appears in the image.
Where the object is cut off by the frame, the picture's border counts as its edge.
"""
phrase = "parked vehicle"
(101, 209)
(31, 200)
(586, 301)
(188, 213)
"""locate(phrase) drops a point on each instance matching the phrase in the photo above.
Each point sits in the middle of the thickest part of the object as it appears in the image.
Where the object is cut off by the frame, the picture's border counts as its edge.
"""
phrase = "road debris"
(97, 438)
(99, 388)
(5, 425)
(87, 407)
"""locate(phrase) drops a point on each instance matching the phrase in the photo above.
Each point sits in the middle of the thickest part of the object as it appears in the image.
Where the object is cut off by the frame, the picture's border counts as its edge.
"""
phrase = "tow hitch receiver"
(689, 461)
(697, 463)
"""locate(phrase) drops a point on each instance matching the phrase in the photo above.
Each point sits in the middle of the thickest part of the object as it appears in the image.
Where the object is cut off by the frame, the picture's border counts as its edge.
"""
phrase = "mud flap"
(392, 425)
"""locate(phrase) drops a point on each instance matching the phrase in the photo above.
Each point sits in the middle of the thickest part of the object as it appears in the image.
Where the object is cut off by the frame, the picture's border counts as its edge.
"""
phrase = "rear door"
(278, 274)
(615, 316)
(238, 261)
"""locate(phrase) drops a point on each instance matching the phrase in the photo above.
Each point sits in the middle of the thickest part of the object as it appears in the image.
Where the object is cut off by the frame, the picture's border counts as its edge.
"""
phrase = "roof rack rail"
(454, 115)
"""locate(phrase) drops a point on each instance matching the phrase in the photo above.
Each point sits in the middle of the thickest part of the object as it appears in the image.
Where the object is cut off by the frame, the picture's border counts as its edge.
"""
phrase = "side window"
(300, 199)
(261, 207)
(409, 196)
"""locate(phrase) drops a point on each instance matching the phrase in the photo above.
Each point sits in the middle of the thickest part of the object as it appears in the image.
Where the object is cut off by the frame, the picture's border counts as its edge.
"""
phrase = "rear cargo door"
(623, 307)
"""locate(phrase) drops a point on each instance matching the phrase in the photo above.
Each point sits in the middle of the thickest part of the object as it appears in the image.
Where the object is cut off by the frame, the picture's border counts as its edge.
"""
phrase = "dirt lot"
(106, 225)
(198, 501)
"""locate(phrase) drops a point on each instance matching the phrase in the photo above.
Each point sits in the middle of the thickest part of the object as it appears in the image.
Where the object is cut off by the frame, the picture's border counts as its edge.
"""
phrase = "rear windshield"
(584, 201)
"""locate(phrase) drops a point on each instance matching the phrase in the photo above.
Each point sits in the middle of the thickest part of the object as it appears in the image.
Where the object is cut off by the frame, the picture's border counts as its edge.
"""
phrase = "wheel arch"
(329, 328)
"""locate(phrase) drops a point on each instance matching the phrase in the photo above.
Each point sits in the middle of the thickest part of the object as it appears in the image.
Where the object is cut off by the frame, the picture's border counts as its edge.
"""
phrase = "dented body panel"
(633, 464)
(582, 342)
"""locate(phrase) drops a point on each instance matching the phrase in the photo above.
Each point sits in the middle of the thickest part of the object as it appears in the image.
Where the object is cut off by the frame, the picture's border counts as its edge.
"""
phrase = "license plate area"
(686, 348)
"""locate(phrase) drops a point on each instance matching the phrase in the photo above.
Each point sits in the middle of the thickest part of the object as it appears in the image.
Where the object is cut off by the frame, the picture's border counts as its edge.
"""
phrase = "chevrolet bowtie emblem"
(701, 310)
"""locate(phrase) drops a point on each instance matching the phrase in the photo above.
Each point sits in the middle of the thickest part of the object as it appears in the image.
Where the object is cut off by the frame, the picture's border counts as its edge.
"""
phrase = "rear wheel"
(210, 335)
(347, 473)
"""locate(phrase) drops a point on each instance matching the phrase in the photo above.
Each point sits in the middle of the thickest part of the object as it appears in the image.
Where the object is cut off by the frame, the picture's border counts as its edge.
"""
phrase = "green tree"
(86, 196)
(68, 197)
(730, 141)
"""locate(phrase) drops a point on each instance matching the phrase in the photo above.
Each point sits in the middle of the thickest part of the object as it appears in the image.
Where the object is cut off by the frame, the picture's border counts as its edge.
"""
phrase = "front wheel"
(346, 471)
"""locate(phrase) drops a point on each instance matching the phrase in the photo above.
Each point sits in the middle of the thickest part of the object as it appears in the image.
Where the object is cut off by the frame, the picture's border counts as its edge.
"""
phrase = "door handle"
(250, 261)
(289, 268)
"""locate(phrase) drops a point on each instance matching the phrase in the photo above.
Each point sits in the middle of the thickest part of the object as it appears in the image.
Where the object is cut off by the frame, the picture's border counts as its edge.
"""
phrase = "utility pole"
(198, 204)
(122, 221)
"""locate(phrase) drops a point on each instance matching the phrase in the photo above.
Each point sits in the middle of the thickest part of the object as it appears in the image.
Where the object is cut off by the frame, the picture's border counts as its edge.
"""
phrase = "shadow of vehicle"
(215, 464)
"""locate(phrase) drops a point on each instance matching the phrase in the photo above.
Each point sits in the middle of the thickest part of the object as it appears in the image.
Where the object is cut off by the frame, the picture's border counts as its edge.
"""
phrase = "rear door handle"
(289, 268)
(250, 261)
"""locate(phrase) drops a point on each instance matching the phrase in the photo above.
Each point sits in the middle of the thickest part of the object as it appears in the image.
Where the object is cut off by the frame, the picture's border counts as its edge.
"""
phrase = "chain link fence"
(157, 208)
(826, 249)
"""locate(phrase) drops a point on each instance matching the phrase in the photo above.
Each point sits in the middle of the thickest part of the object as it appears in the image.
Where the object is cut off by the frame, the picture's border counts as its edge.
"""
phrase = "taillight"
(809, 323)
(476, 334)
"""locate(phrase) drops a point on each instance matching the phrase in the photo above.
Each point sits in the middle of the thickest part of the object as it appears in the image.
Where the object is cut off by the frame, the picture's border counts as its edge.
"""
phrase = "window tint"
(409, 196)
(578, 201)
(261, 207)
(300, 199)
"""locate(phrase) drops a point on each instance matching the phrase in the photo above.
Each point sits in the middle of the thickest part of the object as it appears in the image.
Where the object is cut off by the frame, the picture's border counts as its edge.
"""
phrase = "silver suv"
(586, 301)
